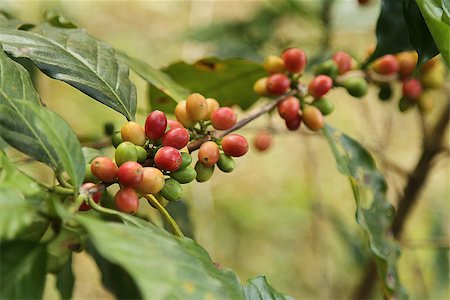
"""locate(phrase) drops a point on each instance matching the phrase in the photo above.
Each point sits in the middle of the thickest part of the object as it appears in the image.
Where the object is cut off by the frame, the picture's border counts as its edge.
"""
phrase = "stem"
(61, 190)
(173, 225)
(108, 211)
(62, 181)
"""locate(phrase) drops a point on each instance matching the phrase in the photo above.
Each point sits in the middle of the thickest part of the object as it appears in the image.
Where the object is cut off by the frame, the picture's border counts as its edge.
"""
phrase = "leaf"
(436, 14)
(12, 178)
(259, 288)
(179, 210)
(73, 56)
(229, 81)
(373, 212)
(65, 280)
(90, 153)
(22, 272)
(8, 21)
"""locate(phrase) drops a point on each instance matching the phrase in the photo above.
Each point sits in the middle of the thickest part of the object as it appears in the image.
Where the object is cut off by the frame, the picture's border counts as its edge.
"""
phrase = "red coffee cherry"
(343, 61)
(208, 154)
(127, 200)
(168, 158)
(174, 124)
(263, 140)
(177, 138)
(289, 107)
(155, 125)
(320, 85)
(234, 145)
(412, 89)
(386, 65)
(313, 118)
(294, 123)
(96, 196)
(104, 169)
(223, 118)
(294, 60)
(407, 62)
(278, 84)
(130, 174)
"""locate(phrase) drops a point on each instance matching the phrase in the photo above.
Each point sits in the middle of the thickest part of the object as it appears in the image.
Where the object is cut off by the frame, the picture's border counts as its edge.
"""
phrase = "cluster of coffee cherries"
(155, 159)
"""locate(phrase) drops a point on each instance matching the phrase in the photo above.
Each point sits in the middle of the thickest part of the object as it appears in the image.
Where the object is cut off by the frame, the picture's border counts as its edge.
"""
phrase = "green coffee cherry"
(116, 139)
(142, 154)
(172, 190)
(186, 160)
(225, 163)
(385, 92)
(126, 151)
(356, 86)
(329, 68)
(89, 177)
(325, 106)
(185, 175)
(203, 173)
(109, 129)
(404, 104)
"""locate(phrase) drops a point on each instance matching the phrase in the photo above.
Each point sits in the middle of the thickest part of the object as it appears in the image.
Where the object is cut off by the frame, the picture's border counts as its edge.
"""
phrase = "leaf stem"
(173, 224)
(62, 181)
(108, 211)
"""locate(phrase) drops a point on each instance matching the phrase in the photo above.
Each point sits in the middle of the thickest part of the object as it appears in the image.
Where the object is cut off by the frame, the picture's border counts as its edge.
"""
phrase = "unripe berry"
(177, 138)
(126, 151)
(104, 169)
(204, 173)
(168, 158)
(325, 106)
(196, 107)
(185, 175)
(386, 65)
(223, 118)
(174, 124)
(356, 86)
(343, 61)
(289, 107)
(225, 163)
(320, 85)
(152, 182)
(404, 104)
(130, 174)
(186, 160)
(234, 145)
(433, 77)
(278, 84)
(294, 60)
(182, 115)
(385, 92)
(88, 176)
(260, 86)
(273, 64)
(313, 118)
(155, 125)
(212, 106)
(127, 201)
(116, 139)
(263, 140)
(293, 123)
(133, 132)
(407, 62)
(328, 67)
(208, 154)
(96, 196)
(426, 101)
(172, 190)
(412, 89)
(142, 154)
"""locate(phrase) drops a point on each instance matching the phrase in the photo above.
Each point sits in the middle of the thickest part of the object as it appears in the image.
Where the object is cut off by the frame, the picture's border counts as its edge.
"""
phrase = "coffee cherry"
(386, 65)
(343, 61)
(88, 176)
(320, 85)
(223, 118)
(313, 118)
(289, 107)
(225, 163)
(185, 175)
(168, 158)
(186, 160)
(208, 154)
(127, 200)
(104, 169)
(134, 133)
(325, 106)
(412, 89)
(155, 125)
(172, 190)
(356, 86)
(385, 92)
(116, 139)
(294, 60)
(96, 196)
(404, 104)
(260, 87)
(108, 129)
(204, 173)
(212, 106)
(126, 151)
(174, 124)
(196, 107)
(328, 67)
(263, 140)
(177, 138)
(433, 77)
(152, 182)
(182, 115)
(273, 64)
(407, 62)
(426, 101)
(293, 123)
(234, 145)
(130, 174)
(278, 84)
(142, 154)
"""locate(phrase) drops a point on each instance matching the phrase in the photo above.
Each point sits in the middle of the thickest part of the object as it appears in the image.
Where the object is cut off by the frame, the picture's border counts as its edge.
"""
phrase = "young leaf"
(373, 212)
(73, 56)
(12, 178)
(259, 288)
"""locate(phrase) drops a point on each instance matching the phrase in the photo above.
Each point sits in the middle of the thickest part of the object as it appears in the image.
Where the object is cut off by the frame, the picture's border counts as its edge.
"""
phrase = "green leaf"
(229, 81)
(22, 272)
(259, 288)
(73, 56)
(179, 210)
(374, 213)
(8, 21)
(65, 280)
(436, 14)
(90, 153)
(12, 178)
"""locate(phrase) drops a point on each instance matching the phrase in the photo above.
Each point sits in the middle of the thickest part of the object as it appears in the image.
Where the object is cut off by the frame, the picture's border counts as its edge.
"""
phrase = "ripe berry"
(185, 175)
(174, 124)
(130, 174)
(223, 118)
(343, 61)
(212, 106)
(294, 60)
(289, 107)
(196, 107)
(294, 123)
(273, 64)
(260, 86)
(356, 86)
(412, 89)
(234, 145)
(325, 106)
(328, 67)
(313, 118)
(126, 151)
(320, 85)
(386, 65)
(172, 190)
(133, 132)
(278, 84)
(226, 163)
(127, 200)
(204, 173)
(407, 62)
(208, 154)
(152, 182)
(168, 158)
(96, 196)
(177, 138)
(263, 140)
(104, 169)
(155, 125)
(182, 115)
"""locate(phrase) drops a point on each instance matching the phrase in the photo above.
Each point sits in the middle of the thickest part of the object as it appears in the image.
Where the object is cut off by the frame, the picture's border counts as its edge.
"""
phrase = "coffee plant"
(91, 201)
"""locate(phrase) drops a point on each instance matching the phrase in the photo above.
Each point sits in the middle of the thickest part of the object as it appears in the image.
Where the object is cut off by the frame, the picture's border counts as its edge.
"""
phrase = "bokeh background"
(286, 213)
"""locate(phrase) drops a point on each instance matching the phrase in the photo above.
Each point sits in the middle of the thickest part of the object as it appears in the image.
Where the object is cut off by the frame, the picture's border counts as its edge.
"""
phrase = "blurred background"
(286, 213)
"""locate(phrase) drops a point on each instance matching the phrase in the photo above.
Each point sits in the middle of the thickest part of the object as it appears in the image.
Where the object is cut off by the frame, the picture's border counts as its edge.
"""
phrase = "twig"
(173, 225)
